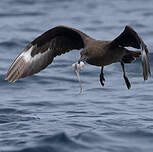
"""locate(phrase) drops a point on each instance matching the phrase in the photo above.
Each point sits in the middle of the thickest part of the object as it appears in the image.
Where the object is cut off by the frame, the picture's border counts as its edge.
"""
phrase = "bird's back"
(103, 54)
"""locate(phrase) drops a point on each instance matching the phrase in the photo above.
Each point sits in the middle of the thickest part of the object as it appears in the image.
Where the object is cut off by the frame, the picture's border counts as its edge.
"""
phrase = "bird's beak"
(83, 59)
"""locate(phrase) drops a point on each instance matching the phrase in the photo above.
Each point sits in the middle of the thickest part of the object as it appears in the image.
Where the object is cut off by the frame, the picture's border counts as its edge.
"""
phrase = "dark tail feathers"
(131, 56)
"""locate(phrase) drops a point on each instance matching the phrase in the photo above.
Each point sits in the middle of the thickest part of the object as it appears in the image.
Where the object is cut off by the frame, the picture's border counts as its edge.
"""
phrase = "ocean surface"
(46, 112)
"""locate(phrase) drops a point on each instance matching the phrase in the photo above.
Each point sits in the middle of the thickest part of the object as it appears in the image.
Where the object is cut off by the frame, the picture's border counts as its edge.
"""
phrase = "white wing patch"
(27, 55)
(26, 65)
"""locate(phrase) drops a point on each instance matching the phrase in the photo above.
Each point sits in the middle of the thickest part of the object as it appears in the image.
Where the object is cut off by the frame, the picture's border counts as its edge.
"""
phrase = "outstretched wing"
(41, 51)
(129, 38)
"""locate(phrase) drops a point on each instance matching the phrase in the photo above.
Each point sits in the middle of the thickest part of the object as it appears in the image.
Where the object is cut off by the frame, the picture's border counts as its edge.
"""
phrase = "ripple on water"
(58, 142)
(34, 110)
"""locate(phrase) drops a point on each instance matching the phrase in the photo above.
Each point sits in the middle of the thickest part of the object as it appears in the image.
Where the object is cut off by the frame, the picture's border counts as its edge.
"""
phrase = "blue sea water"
(45, 112)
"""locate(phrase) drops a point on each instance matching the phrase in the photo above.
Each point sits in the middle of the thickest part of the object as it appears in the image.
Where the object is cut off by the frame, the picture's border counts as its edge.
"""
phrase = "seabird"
(61, 39)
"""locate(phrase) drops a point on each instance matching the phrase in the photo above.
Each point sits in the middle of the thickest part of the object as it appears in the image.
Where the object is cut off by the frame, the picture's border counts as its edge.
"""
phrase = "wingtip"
(10, 80)
(128, 27)
(145, 65)
(6, 76)
(12, 75)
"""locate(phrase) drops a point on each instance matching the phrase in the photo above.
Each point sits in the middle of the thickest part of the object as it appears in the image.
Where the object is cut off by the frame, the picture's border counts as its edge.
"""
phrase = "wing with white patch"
(41, 51)
(129, 38)
(26, 65)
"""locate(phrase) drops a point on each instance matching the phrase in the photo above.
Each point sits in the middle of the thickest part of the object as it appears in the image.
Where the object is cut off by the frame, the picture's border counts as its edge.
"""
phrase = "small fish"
(77, 67)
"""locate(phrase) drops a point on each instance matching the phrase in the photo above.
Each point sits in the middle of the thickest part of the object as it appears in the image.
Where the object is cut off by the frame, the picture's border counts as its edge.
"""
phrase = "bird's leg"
(102, 79)
(125, 77)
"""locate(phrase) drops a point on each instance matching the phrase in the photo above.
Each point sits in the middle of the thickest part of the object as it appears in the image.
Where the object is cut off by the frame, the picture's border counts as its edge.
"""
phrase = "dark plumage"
(61, 39)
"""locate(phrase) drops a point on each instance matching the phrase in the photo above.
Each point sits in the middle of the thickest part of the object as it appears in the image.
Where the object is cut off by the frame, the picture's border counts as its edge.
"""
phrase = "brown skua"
(61, 39)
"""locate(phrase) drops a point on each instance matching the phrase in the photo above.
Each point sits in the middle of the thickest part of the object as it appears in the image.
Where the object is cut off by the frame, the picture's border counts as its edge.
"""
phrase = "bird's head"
(85, 55)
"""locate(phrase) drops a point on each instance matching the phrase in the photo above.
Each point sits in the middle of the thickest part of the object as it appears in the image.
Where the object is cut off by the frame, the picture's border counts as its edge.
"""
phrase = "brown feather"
(129, 38)
(41, 51)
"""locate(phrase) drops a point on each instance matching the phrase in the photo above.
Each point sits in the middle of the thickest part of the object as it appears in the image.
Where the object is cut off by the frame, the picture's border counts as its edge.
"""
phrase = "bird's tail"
(131, 56)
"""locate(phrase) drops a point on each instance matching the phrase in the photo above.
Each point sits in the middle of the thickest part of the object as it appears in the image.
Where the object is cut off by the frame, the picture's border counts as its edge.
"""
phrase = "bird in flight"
(61, 39)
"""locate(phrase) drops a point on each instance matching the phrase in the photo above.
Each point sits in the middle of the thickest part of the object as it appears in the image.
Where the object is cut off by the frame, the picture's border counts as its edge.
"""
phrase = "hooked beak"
(83, 58)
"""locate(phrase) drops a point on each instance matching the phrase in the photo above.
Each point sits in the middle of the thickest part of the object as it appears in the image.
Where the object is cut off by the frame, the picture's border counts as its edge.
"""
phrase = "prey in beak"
(77, 67)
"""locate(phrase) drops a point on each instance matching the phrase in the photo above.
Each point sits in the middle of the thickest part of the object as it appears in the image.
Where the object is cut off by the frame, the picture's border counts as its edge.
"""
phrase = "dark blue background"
(46, 112)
